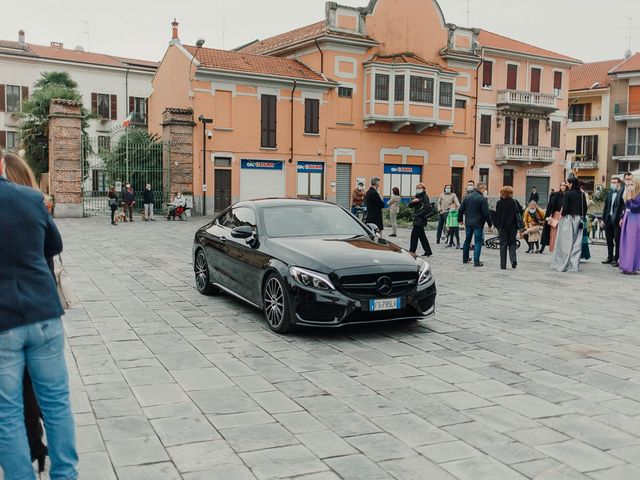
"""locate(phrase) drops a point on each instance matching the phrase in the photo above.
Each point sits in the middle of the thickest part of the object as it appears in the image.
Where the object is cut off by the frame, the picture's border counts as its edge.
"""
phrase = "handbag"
(67, 295)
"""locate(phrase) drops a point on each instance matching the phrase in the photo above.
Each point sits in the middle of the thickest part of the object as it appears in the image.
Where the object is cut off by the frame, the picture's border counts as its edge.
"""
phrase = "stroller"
(494, 242)
(177, 212)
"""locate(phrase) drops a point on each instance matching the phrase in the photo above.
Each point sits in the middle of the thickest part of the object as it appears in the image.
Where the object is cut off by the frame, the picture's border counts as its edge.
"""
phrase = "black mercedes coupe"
(310, 263)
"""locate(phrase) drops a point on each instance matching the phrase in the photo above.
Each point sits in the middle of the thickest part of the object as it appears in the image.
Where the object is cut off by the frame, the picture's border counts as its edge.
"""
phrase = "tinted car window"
(238, 217)
(310, 220)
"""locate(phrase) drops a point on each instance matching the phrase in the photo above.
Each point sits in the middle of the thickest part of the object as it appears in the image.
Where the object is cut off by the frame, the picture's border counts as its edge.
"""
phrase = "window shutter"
(519, 129)
(557, 80)
(487, 74)
(114, 107)
(535, 80)
(579, 145)
(307, 115)
(25, 93)
(94, 103)
(272, 122)
(132, 104)
(2, 98)
(508, 125)
(3, 139)
(316, 117)
(512, 77)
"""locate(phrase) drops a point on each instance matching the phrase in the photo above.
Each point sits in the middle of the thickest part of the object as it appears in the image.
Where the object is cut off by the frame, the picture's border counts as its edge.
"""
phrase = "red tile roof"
(257, 64)
(66, 55)
(409, 58)
(309, 32)
(632, 64)
(592, 75)
(499, 42)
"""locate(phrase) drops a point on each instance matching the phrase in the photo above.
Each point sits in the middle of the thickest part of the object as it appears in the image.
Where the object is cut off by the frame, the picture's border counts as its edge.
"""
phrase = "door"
(536, 74)
(542, 185)
(343, 185)
(634, 99)
(512, 77)
(222, 190)
(456, 180)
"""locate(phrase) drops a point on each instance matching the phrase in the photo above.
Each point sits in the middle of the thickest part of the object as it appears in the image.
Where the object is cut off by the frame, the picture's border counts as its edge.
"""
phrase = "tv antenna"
(86, 32)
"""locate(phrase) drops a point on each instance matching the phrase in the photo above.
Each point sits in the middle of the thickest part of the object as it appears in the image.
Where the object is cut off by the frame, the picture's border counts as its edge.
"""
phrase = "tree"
(34, 128)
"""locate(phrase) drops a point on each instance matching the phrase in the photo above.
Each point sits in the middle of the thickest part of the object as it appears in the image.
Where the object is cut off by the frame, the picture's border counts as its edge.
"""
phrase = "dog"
(119, 217)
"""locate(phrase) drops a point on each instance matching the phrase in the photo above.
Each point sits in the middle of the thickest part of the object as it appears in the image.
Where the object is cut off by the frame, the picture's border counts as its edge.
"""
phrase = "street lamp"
(205, 122)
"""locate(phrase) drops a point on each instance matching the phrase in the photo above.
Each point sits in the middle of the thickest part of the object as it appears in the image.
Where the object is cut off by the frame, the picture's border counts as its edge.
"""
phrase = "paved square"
(521, 374)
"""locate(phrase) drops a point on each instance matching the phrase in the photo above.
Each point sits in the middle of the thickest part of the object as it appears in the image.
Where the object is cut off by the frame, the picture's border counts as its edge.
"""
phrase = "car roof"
(282, 202)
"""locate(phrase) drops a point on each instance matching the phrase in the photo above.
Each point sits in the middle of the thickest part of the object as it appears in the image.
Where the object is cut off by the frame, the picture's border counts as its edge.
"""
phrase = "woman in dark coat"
(422, 207)
(507, 212)
(552, 218)
(374, 204)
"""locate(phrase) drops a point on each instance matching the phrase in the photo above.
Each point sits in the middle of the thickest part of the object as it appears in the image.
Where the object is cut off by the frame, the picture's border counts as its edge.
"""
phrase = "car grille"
(366, 286)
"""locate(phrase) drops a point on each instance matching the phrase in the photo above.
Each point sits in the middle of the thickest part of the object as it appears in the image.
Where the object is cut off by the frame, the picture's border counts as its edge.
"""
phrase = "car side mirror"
(374, 228)
(244, 231)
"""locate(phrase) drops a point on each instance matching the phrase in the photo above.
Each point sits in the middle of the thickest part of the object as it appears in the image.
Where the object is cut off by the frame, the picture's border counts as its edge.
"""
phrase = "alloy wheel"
(274, 302)
(201, 272)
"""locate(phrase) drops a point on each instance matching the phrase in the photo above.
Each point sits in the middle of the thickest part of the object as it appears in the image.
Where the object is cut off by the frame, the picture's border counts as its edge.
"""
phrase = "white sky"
(586, 29)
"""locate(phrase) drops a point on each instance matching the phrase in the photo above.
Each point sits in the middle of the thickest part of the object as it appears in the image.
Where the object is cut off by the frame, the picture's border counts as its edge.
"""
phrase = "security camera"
(209, 134)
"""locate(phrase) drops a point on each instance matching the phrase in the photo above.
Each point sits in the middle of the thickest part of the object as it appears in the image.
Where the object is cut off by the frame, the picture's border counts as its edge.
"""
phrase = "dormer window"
(421, 89)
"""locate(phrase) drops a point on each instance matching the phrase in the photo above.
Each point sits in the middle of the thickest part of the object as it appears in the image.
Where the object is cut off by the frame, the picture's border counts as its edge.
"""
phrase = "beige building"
(588, 122)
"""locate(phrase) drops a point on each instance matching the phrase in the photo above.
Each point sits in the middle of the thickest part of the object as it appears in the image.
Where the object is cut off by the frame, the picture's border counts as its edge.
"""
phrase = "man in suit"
(374, 203)
(611, 216)
(31, 333)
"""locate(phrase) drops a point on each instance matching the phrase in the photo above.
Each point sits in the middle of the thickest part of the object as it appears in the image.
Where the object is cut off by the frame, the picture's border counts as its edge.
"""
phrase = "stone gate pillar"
(65, 157)
(177, 129)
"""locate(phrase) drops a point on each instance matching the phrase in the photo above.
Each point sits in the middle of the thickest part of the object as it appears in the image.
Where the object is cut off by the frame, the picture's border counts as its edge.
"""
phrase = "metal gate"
(343, 185)
(134, 157)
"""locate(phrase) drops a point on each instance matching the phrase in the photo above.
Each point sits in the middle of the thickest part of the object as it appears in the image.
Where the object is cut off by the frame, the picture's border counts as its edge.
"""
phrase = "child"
(453, 227)
(533, 233)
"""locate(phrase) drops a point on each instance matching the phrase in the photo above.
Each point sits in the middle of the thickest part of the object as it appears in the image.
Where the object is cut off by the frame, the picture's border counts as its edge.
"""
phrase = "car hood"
(327, 255)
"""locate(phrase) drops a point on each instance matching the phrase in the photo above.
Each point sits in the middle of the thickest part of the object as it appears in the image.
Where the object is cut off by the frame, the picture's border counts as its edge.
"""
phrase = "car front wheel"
(201, 270)
(275, 300)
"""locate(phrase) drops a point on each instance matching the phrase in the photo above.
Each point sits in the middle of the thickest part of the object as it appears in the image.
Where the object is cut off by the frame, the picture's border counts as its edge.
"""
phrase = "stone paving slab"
(521, 374)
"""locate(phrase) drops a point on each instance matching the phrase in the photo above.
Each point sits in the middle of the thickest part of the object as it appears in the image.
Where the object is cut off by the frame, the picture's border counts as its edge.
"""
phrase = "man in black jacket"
(474, 213)
(31, 333)
(374, 204)
(535, 196)
(611, 216)
(147, 198)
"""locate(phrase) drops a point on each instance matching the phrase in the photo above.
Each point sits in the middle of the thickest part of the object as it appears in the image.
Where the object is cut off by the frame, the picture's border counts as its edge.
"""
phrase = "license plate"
(385, 304)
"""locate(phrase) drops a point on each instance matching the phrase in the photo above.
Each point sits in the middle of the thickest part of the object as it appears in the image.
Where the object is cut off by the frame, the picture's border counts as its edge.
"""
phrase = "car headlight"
(424, 274)
(311, 279)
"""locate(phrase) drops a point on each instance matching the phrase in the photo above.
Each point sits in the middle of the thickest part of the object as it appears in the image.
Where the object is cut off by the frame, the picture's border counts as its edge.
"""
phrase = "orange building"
(389, 90)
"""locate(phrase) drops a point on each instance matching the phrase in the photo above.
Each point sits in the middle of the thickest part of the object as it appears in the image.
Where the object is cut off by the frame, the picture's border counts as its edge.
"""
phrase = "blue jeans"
(477, 233)
(40, 348)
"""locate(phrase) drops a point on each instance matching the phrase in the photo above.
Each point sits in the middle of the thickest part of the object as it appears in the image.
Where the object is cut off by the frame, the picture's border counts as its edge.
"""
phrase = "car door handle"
(223, 239)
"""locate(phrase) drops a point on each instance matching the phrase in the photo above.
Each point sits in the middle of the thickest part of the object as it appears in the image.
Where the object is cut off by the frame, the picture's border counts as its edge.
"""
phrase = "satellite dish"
(79, 48)
(627, 54)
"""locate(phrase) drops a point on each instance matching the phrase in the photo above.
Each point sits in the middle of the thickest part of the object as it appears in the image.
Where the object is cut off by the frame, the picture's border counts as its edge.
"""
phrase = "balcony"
(524, 154)
(622, 151)
(626, 111)
(526, 102)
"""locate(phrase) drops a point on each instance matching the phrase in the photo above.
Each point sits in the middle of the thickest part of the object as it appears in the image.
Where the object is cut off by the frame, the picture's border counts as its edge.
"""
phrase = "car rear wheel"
(201, 270)
(275, 300)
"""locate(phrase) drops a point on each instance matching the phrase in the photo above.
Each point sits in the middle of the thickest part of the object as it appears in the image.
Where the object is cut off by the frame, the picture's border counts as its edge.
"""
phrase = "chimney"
(174, 30)
(21, 39)
(57, 45)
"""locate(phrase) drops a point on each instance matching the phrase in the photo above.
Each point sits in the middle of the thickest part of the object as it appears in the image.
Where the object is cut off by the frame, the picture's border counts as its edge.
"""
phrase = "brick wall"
(177, 129)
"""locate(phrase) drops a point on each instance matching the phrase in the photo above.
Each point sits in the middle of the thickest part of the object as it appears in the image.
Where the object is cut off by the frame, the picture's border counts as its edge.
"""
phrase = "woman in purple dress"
(630, 237)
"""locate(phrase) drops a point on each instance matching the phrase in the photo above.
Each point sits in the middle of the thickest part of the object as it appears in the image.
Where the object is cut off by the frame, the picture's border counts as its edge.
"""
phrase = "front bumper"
(336, 309)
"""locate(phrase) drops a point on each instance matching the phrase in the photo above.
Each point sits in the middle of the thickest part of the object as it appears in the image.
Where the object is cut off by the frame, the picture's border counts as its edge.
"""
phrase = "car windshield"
(310, 221)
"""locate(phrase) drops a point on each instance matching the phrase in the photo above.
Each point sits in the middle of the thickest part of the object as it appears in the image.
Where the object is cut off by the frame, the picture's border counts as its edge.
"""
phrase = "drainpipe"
(295, 86)
(321, 56)
(126, 128)
(475, 120)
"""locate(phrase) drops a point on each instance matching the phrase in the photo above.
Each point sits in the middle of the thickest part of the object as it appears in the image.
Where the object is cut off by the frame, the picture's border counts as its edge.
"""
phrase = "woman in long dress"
(552, 219)
(630, 236)
(568, 247)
